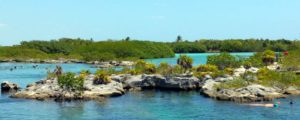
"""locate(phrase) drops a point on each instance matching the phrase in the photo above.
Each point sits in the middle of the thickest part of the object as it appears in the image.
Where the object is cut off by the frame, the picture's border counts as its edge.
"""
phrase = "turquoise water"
(197, 58)
(147, 105)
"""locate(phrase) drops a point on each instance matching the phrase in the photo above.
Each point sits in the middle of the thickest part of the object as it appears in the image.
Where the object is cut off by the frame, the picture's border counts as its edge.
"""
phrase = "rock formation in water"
(8, 86)
(46, 89)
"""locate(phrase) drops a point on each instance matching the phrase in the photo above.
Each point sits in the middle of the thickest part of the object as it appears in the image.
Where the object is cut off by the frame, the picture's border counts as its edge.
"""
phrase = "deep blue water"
(147, 105)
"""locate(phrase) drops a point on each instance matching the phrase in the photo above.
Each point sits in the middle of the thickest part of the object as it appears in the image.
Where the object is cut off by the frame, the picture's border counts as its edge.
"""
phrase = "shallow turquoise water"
(147, 105)
(197, 58)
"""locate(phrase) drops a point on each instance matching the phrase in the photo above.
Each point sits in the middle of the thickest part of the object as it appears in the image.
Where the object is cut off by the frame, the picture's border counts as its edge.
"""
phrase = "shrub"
(279, 79)
(69, 82)
(223, 61)
(229, 71)
(133, 72)
(51, 75)
(247, 64)
(177, 69)
(268, 57)
(84, 73)
(291, 62)
(164, 69)
(139, 66)
(207, 68)
(149, 68)
(232, 84)
(144, 67)
(185, 62)
(256, 60)
(101, 77)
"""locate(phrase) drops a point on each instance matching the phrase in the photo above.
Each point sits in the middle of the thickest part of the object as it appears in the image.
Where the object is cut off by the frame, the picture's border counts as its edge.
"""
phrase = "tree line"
(128, 49)
(232, 45)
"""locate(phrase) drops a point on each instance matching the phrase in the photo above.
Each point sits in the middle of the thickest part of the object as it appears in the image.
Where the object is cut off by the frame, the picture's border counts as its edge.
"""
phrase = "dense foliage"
(90, 50)
(224, 60)
(87, 50)
(101, 77)
(291, 62)
(69, 82)
(233, 45)
(185, 62)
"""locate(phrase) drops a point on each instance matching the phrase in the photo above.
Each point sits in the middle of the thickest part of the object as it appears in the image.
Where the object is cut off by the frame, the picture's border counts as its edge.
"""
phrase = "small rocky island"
(217, 80)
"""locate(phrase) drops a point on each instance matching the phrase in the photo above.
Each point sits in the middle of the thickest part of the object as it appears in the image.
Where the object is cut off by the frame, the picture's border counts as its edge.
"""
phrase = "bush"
(164, 69)
(207, 68)
(223, 61)
(232, 84)
(256, 60)
(229, 71)
(101, 77)
(69, 82)
(277, 79)
(150, 68)
(291, 62)
(51, 75)
(177, 69)
(84, 73)
(185, 62)
(268, 57)
(247, 64)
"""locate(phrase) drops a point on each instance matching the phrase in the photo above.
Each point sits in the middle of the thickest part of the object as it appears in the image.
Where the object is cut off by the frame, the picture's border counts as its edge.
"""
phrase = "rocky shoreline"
(120, 84)
(97, 64)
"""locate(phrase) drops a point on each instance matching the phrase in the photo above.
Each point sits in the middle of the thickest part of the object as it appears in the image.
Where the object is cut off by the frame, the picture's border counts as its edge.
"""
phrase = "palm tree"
(58, 71)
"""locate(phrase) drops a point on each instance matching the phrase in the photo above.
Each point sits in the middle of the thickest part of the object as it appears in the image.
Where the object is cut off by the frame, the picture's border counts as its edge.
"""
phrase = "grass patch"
(232, 84)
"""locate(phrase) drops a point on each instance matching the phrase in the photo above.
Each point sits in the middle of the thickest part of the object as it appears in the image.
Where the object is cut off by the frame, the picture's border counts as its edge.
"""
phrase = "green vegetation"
(279, 79)
(268, 57)
(69, 82)
(232, 45)
(87, 50)
(224, 60)
(207, 69)
(164, 69)
(291, 62)
(19, 53)
(84, 73)
(143, 67)
(101, 77)
(128, 49)
(185, 62)
(232, 84)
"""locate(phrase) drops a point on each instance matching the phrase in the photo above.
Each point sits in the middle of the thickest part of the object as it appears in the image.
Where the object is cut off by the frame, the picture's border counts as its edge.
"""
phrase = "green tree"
(179, 38)
(127, 38)
(223, 60)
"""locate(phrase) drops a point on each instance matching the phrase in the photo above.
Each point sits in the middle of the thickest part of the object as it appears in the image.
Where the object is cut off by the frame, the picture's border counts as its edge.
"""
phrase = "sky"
(156, 20)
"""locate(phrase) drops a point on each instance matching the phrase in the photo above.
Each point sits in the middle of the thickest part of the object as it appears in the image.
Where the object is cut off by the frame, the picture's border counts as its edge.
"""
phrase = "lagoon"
(148, 105)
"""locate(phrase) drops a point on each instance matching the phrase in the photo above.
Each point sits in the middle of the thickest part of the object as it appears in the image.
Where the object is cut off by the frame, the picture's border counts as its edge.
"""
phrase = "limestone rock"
(8, 86)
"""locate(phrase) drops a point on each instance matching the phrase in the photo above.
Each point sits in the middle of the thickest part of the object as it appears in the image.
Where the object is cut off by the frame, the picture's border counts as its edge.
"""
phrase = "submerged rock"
(8, 86)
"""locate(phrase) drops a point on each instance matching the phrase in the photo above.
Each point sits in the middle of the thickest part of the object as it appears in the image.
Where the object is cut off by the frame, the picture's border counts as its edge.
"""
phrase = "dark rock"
(8, 86)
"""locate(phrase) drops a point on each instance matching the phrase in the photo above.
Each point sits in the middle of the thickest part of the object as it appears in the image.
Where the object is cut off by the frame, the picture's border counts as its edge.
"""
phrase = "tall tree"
(127, 38)
(179, 38)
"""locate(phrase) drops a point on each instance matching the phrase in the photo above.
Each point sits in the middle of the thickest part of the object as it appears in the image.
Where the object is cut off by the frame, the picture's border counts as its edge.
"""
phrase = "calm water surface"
(148, 105)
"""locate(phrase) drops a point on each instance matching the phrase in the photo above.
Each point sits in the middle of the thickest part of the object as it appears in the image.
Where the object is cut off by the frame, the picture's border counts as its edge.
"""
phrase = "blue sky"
(158, 20)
